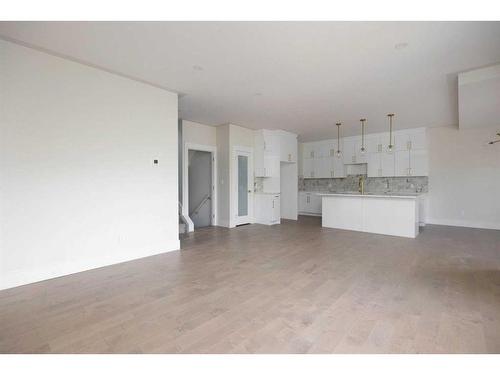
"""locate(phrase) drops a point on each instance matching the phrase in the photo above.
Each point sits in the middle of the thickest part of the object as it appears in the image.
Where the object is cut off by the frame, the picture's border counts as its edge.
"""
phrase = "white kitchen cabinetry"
(320, 161)
(374, 142)
(267, 209)
(352, 151)
(374, 168)
(360, 158)
(308, 150)
(288, 146)
(380, 164)
(309, 203)
(267, 154)
(349, 152)
(308, 168)
(402, 163)
(419, 163)
(408, 159)
(411, 158)
(417, 139)
(322, 167)
(338, 167)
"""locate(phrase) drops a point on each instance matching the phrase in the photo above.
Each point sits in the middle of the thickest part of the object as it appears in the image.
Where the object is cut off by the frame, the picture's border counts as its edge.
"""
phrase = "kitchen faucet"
(361, 184)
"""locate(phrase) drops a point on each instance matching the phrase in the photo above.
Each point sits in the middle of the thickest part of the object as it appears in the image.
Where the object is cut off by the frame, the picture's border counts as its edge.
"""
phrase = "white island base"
(395, 215)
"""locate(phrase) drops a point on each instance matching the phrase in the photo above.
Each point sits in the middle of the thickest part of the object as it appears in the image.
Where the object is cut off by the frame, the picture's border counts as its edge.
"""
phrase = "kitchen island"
(396, 215)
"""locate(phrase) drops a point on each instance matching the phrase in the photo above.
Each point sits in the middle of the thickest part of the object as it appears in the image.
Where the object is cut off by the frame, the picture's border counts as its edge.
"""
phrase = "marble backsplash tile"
(372, 184)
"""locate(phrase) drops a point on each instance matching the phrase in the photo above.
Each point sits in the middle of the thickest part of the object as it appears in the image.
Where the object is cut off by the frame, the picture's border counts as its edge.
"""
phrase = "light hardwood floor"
(291, 288)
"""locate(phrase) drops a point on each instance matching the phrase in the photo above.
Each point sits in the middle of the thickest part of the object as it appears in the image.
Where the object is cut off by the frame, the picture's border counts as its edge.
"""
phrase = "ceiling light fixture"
(401, 45)
(390, 147)
(496, 141)
(362, 149)
(338, 153)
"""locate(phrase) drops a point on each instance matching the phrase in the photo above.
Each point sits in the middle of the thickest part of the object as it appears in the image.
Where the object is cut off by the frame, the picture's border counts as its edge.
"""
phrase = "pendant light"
(338, 153)
(362, 149)
(390, 147)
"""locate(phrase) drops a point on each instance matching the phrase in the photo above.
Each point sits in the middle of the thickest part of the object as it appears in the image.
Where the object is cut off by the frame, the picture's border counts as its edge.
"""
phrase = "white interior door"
(243, 202)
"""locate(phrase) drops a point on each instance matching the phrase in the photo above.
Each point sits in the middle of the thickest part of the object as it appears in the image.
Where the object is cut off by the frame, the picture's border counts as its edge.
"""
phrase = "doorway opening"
(199, 193)
(200, 188)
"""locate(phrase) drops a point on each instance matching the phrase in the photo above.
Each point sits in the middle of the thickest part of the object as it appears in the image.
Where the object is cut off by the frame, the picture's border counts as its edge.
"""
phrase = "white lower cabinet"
(267, 208)
(309, 203)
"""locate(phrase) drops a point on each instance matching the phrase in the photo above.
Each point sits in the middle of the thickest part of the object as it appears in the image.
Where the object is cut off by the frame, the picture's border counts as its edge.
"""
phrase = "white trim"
(234, 186)
(464, 223)
(185, 179)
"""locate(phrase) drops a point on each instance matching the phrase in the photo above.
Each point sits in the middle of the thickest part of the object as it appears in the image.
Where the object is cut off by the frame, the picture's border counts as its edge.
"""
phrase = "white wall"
(78, 187)
(289, 190)
(223, 179)
(464, 177)
(194, 132)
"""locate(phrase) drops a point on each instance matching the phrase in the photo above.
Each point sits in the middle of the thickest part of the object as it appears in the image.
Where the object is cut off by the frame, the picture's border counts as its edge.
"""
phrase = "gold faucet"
(361, 184)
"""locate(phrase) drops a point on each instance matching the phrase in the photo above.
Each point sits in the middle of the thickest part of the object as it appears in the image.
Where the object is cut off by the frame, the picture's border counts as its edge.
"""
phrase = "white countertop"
(373, 195)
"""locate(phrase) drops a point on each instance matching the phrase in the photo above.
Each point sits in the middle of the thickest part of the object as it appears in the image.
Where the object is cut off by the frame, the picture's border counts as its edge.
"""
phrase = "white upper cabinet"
(338, 167)
(417, 139)
(408, 159)
(360, 157)
(288, 146)
(402, 163)
(419, 163)
(308, 168)
(373, 143)
(374, 165)
(387, 164)
(349, 151)
(322, 149)
(401, 141)
(308, 150)
(411, 153)
(380, 164)
(331, 147)
(322, 167)
(267, 153)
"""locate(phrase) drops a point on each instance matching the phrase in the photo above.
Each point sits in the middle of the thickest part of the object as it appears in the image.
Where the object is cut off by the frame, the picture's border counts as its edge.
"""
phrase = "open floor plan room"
(250, 187)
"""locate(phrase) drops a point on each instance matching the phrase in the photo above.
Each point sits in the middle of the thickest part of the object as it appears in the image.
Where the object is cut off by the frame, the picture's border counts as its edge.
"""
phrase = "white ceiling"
(298, 76)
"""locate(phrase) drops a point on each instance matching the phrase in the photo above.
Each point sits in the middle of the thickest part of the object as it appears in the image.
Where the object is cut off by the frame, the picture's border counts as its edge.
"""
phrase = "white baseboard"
(23, 277)
(308, 214)
(464, 223)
